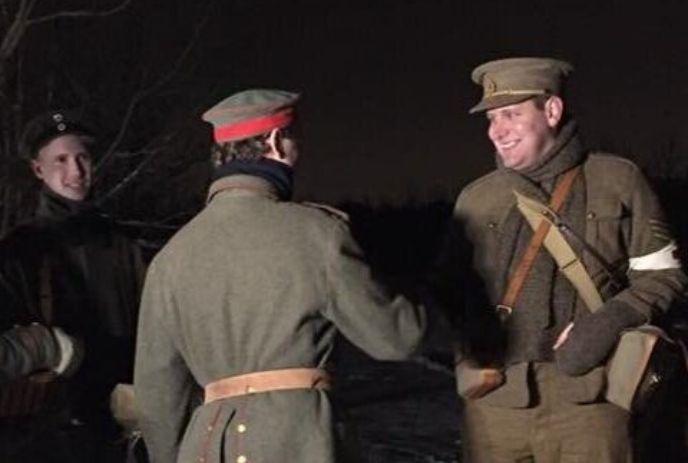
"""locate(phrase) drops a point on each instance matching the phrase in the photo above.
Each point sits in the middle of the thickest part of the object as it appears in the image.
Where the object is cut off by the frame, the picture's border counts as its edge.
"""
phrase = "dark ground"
(409, 413)
(399, 412)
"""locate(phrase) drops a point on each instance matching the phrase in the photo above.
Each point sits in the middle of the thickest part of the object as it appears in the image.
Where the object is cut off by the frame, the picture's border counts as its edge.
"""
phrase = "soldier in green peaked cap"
(245, 301)
(540, 394)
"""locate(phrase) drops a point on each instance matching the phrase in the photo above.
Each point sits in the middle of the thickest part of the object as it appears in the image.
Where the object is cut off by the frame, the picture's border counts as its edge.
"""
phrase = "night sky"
(386, 83)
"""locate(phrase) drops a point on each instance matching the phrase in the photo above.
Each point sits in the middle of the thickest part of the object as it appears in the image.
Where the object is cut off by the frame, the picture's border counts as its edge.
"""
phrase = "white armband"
(663, 259)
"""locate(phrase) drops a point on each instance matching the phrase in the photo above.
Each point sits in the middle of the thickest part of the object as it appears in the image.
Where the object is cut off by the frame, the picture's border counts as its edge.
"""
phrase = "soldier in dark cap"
(73, 268)
(245, 301)
(540, 396)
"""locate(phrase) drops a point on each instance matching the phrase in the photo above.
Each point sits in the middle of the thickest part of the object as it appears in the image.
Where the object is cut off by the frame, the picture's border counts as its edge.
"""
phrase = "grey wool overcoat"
(252, 284)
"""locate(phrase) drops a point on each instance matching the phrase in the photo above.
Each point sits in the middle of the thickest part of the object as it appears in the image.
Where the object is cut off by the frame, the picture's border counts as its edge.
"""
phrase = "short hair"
(249, 149)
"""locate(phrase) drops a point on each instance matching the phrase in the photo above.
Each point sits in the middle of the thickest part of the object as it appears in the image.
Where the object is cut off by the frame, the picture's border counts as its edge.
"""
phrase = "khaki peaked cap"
(250, 113)
(513, 80)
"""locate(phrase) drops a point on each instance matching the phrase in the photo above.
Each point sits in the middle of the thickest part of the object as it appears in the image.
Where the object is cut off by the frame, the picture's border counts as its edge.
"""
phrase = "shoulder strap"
(330, 210)
(561, 192)
(567, 260)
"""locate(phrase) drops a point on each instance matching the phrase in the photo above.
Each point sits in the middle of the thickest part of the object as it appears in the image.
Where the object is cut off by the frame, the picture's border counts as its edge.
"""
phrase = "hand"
(473, 382)
(594, 337)
(563, 336)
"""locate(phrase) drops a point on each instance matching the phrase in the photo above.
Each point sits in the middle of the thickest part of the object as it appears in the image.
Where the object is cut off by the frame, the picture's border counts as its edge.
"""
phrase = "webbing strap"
(563, 254)
(561, 192)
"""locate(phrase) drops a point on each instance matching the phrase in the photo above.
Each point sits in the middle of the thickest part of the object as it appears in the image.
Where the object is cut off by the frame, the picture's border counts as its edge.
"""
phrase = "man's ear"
(37, 169)
(275, 144)
(554, 110)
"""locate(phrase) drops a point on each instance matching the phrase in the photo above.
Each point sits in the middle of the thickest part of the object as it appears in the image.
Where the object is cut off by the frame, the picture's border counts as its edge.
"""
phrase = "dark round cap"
(45, 127)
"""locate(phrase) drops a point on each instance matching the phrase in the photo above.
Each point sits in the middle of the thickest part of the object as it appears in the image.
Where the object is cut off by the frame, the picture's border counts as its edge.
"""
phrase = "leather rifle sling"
(518, 278)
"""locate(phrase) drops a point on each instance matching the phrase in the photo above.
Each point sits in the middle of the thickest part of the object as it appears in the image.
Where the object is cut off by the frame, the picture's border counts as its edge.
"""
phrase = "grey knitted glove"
(594, 336)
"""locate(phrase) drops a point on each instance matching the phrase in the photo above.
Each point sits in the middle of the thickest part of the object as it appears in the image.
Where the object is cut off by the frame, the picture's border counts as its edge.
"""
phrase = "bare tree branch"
(150, 154)
(80, 14)
(128, 114)
(15, 33)
(161, 82)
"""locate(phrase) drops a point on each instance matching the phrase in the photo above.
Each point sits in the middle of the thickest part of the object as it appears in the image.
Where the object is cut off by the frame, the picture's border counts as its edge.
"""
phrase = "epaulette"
(332, 211)
(482, 180)
(613, 159)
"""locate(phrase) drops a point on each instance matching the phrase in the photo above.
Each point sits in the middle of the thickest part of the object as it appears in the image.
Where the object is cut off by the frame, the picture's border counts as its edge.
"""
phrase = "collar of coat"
(243, 185)
(52, 206)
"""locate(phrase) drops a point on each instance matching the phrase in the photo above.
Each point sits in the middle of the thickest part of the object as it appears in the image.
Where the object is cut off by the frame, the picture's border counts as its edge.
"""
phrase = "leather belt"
(266, 381)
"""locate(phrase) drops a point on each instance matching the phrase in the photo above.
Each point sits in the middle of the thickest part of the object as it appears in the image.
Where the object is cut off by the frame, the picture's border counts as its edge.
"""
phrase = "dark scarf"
(280, 175)
(547, 300)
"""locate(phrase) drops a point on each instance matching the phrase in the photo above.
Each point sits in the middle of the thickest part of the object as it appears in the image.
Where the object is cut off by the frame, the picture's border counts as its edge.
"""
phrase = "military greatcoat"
(253, 284)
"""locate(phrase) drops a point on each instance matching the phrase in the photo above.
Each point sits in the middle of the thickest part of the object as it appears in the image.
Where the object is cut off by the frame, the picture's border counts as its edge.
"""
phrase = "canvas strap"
(567, 260)
(518, 278)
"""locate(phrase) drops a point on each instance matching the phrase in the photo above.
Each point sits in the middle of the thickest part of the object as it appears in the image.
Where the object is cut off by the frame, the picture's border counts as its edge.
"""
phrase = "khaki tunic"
(254, 284)
(623, 220)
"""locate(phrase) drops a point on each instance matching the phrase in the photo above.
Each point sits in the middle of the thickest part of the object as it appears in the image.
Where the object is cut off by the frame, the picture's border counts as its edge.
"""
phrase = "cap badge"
(490, 87)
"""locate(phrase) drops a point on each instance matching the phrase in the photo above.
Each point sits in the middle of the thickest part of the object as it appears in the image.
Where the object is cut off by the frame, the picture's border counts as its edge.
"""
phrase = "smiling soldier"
(71, 267)
(542, 397)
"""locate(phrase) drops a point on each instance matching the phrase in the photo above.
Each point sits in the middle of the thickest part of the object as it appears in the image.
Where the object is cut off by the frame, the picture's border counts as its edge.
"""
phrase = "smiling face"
(64, 166)
(522, 133)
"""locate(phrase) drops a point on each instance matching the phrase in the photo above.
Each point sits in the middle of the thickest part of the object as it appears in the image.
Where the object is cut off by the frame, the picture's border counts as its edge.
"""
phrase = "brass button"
(241, 428)
(250, 389)
(210, 428)
(591, 215)
(491, 225)
(242, 459)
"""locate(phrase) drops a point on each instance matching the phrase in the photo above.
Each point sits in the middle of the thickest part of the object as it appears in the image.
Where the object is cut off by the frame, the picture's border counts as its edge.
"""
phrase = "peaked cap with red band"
(250, 113)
